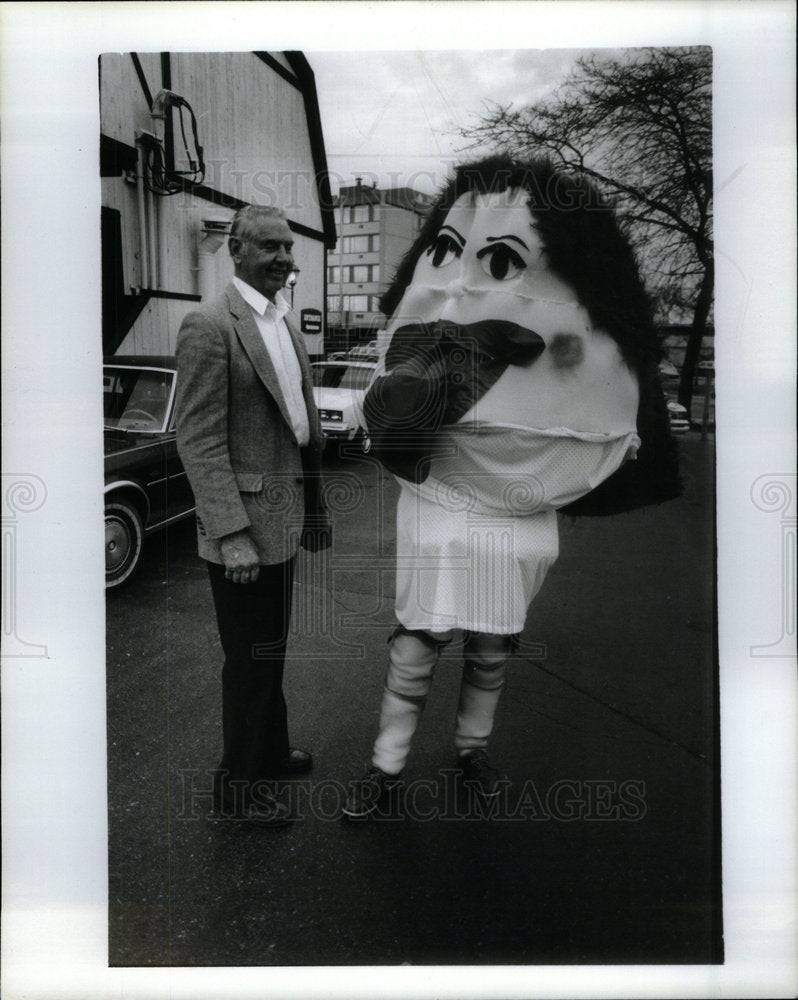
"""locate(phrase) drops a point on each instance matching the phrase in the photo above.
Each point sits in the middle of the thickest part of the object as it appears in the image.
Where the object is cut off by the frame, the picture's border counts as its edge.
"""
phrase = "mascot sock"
(484, 668)
(411, 665)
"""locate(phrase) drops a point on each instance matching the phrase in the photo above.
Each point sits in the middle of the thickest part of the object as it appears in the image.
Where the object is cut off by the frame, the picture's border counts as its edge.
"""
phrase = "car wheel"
(365, 444)
(124, 539)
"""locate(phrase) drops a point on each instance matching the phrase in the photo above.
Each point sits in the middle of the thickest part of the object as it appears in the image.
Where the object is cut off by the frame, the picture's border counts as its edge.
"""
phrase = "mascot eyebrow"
(446, 229)
(507, 236)
(444, 249)
(489, 239)
(452, 230)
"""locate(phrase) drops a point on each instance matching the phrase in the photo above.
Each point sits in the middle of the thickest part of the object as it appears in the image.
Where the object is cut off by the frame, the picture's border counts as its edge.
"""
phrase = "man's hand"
(241, 560)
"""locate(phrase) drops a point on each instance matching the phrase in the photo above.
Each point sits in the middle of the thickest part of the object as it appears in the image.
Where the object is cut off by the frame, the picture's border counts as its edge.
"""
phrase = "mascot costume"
(520, 379)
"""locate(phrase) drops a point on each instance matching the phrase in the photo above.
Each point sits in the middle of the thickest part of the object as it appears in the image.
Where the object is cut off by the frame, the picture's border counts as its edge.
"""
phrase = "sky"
(394, 117)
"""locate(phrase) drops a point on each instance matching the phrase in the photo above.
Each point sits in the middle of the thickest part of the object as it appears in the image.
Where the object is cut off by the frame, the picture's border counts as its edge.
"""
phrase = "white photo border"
(54, 934)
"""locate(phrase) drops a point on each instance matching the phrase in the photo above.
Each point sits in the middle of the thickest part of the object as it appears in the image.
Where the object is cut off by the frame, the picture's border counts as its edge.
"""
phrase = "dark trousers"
(253, 622)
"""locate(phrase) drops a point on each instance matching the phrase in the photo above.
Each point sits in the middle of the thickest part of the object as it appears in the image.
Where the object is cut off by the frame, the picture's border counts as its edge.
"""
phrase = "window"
(361, 213)
(352, 303)
(135, 398)
(361, 244)
(356, 244)
(357, 274)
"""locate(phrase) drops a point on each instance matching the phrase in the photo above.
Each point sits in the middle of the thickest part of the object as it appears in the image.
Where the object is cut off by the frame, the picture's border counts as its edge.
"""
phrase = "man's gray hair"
(246, 219)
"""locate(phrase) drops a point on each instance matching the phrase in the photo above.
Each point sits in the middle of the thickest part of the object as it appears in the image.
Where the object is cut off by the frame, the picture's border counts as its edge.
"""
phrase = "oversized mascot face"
(487, 262)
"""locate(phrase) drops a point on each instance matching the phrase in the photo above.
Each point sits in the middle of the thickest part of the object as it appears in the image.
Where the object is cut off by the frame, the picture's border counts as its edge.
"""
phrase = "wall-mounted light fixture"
(291, 281)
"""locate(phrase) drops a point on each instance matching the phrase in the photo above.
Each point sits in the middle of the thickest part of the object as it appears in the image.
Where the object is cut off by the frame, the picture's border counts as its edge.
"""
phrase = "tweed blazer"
(234, 435)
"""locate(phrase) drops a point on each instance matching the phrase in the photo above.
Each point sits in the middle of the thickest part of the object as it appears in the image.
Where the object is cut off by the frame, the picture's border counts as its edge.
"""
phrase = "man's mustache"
(496, 340)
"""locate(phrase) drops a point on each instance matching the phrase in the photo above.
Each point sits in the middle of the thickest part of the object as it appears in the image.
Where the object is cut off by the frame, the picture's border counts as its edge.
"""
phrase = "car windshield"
(342, 376)
(136, 398)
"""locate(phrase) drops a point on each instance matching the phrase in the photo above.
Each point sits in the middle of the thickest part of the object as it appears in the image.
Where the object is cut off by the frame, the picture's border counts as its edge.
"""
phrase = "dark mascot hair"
(585, 247)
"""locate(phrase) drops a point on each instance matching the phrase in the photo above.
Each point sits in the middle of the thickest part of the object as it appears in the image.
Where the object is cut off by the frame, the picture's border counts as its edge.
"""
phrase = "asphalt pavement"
(604, 848)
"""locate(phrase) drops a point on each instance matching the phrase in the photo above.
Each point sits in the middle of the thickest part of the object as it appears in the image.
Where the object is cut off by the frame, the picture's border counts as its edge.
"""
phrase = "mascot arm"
(404, 409)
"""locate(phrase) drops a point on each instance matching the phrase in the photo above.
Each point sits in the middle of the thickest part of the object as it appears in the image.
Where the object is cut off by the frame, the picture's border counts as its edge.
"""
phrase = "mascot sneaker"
(370, 793)
(480, 774)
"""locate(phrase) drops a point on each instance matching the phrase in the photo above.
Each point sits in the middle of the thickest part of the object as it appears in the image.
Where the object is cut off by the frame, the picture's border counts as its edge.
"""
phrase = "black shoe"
(370, 792)
(480, 774)
(297, 762)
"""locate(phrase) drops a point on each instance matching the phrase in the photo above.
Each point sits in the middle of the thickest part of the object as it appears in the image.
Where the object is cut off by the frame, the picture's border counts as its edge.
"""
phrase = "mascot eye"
(500, 261)
(444, 250)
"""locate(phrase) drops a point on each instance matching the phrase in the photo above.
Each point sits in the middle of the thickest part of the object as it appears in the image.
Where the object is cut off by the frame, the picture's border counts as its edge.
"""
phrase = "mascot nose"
(501, 340)
(497, 340)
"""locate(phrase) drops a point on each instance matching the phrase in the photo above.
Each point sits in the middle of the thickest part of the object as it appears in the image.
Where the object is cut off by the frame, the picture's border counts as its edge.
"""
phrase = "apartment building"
(375, 228)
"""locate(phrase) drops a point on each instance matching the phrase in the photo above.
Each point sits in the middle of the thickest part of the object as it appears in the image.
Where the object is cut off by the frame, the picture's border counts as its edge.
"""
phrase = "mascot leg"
(484, 666)
(413, 658)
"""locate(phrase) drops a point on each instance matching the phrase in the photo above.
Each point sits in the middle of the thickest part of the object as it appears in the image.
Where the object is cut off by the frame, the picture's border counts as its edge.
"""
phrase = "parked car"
(339, 388)
(364, 352)
(146, 487)
(677, 415)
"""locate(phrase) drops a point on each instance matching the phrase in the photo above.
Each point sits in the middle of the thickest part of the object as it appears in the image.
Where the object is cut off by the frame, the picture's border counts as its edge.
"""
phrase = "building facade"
(375, 228)
(187, 139)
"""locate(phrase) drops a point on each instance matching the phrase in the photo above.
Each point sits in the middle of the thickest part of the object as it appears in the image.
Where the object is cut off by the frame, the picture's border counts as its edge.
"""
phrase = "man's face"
(263, 260)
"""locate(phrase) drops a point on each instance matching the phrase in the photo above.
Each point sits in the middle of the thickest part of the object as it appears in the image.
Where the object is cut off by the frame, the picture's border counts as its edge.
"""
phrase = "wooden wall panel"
(123, 107)
(253, 129)
(155, 331)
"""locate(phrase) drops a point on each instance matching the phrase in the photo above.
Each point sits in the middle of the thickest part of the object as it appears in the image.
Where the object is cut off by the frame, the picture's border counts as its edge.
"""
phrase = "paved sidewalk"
(603, 849)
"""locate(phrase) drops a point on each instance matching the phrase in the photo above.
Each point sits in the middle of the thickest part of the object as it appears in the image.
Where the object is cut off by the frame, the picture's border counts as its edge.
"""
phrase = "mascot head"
(529, 267)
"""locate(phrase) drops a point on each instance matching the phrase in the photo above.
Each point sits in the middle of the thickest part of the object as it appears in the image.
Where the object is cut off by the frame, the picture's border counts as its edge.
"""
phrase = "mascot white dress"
(520, 379)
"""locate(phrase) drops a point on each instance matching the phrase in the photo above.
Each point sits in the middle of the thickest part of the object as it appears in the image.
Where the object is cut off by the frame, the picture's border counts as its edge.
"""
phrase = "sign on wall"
(310, 320)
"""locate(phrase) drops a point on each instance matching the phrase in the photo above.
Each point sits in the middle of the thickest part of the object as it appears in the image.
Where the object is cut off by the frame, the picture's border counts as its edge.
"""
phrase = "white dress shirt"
(269, 319)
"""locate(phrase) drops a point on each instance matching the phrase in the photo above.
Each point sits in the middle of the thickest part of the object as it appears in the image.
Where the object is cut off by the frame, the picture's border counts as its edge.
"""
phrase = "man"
(250, 440)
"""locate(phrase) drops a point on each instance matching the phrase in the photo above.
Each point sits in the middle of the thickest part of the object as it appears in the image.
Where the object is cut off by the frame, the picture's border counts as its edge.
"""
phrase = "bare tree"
(640, 125)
